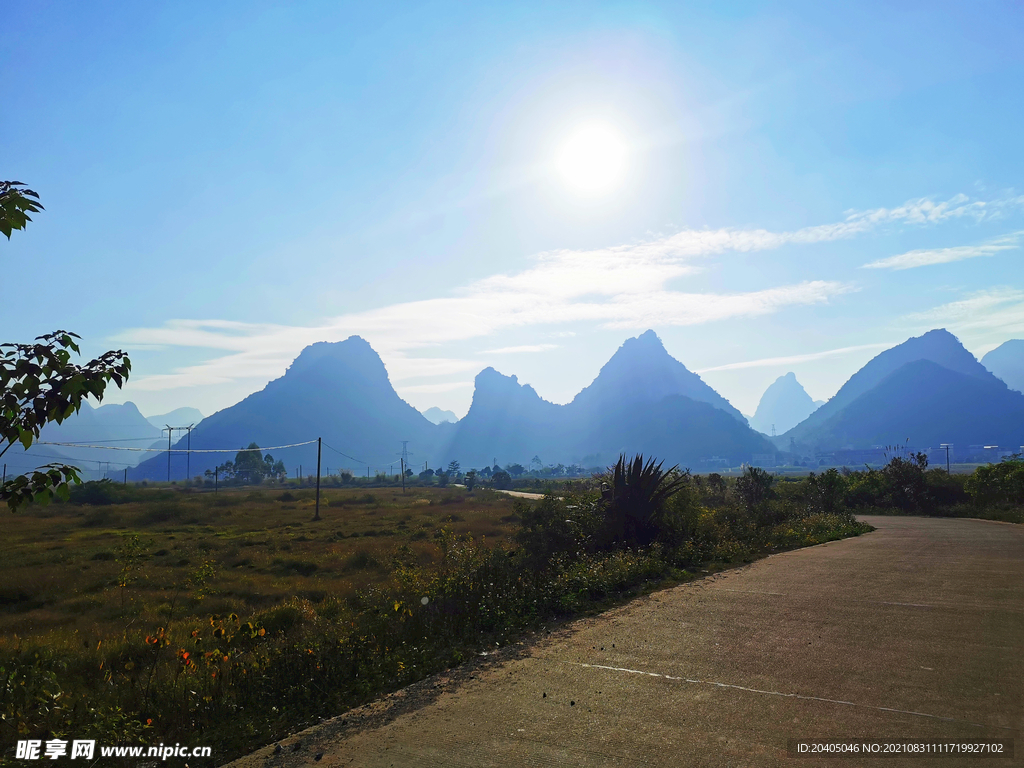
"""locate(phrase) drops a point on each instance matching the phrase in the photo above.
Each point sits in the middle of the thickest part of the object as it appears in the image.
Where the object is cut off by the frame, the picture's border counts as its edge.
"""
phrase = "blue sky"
(225, 183)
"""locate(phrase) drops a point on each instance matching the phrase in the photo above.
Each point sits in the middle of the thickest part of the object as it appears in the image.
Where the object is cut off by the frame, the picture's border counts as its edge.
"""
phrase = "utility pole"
(947, 446)
(126, 475)
(216, 478)
(188, 454)
(317, 515)
(170, 429)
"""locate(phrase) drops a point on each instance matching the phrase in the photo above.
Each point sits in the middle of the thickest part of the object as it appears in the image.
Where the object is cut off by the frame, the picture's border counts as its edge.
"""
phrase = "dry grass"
(241, 550)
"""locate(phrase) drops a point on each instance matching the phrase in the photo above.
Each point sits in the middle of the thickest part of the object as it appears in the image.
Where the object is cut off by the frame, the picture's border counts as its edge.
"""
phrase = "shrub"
(633, 500)
(826, 491)
(99, 493)
(754, 488)
(1001, 483)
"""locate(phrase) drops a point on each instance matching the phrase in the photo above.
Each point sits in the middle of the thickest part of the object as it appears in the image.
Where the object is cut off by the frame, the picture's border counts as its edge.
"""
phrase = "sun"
(593, 159)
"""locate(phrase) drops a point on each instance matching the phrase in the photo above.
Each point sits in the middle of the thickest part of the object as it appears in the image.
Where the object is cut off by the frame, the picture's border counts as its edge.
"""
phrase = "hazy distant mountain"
(1007, 362)
(783, 405)
(938, 346)
(928, 404)
(436, 416)
(928, 390)
(642, 371)
(337, 391)
(117, 426)
(641, 401)
(179, 417)
(507, 421)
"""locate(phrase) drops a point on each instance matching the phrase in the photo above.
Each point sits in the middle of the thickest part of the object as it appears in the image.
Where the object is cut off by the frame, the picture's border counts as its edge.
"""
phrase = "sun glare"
(593, 159)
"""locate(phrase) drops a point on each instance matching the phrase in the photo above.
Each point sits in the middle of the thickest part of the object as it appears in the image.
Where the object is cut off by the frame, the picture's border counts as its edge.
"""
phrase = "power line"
(119, 440)
(357, 461)
(179, 450)
(72, 459)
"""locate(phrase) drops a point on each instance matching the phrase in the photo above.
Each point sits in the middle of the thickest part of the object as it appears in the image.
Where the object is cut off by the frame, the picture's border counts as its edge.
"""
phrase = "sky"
(770, 187)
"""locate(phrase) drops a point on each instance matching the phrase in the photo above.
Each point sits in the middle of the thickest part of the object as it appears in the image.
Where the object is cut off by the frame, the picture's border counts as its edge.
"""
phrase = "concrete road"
(913, 631)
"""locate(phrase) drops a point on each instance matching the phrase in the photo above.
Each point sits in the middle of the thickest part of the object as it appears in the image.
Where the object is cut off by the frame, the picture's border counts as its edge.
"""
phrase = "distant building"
(714, 461)
(852, 457)
(763, 460)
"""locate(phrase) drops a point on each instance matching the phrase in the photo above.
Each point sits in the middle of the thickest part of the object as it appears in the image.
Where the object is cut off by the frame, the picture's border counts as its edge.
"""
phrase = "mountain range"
(926, 391)
(642, 400)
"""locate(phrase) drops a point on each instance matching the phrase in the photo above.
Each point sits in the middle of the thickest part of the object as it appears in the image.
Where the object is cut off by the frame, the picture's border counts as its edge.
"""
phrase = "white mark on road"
(958, 607)
(784, 695)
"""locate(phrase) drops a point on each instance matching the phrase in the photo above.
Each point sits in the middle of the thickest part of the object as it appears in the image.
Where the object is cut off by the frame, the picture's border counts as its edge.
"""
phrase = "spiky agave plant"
(635, 498)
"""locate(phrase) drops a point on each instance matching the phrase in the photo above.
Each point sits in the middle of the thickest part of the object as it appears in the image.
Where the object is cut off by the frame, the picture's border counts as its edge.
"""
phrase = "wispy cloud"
(622, 287)
(996, 312)
(771, 362)
(925, 257)
(447, 386)
(517, 350)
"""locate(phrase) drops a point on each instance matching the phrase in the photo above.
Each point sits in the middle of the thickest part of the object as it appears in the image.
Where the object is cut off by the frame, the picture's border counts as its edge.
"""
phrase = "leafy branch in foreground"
(16, 203)
(40, 384)
(40, 486)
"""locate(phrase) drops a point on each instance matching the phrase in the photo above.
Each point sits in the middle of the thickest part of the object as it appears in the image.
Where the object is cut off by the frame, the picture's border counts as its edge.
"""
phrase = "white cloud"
(622, 287)
(922, 258)
(769, 362)
(517, 350)
(446, 386)
(992, 313)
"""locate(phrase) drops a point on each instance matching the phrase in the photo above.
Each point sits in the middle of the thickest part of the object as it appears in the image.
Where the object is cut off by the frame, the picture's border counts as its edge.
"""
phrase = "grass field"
(82, 572)
(138, 615)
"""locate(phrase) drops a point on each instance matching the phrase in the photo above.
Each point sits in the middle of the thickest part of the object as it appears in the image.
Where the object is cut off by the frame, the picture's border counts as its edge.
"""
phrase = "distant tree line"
(250, 467)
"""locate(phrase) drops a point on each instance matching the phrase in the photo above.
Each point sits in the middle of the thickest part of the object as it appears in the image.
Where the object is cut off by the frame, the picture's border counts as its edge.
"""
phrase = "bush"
(754, 488)
(99, 493)
(1001, 483)
(633, 498)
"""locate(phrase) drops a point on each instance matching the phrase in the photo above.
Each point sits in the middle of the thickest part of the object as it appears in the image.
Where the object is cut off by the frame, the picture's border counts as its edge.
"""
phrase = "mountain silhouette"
(642, 372)
(507, 421)
(939, 346)
(437, 416)
(641, 401)
(338, 391)
(179, 417)
(926, 404)
(114, 425)
(783, 405)
(1007, 362)
(928, 390)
